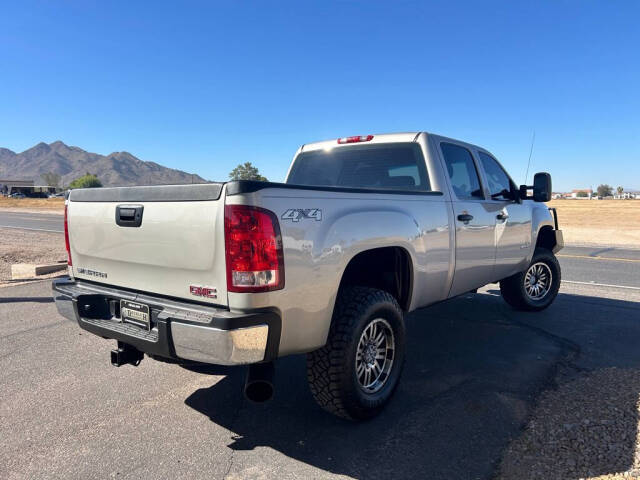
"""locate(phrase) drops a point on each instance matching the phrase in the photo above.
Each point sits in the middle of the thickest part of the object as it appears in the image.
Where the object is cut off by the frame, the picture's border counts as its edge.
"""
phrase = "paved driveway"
(473, 371)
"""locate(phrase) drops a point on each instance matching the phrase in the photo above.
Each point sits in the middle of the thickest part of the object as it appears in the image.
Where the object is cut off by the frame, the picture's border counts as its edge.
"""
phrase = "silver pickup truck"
(364, 230)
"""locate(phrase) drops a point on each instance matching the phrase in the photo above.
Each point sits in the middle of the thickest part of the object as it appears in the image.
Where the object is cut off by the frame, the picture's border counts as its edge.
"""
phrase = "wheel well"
(546, 238)
(387, 268)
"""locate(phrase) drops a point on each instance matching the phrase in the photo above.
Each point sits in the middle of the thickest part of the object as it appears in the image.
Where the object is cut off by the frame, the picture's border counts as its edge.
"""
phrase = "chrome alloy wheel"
(374, 356)
(537, 281)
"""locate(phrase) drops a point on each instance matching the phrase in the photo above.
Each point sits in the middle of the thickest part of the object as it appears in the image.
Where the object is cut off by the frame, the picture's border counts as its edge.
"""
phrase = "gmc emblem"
(206, 292)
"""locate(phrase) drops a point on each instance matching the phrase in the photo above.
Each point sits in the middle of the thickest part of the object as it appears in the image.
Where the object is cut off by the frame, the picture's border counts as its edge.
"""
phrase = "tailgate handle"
(129, 215)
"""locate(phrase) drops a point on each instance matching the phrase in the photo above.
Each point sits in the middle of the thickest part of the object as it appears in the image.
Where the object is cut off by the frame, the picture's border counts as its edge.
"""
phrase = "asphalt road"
(48, 222)
(599, 265)
(474, 369)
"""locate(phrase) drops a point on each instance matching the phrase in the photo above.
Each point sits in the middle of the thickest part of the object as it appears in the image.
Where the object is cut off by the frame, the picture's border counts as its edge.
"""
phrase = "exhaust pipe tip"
(259, 391)
(258, 386)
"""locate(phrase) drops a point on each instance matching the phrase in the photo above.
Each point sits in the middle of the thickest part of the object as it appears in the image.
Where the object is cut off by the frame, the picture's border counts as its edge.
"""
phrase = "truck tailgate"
(178, 245)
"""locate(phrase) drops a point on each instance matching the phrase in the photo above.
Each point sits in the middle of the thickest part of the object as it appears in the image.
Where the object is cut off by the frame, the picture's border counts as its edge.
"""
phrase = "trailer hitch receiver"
(126, 354)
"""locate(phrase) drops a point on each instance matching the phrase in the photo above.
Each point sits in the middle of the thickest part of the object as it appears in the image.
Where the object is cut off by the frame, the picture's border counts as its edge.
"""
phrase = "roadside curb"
(25, 271)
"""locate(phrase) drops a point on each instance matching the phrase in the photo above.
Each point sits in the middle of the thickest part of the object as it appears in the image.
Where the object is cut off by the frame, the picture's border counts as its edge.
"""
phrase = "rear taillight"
(356, 139)
(253, 249)
(66, 235)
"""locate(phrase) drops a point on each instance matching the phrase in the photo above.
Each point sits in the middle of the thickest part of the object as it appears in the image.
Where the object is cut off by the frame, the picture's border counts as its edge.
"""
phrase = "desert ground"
(599, 222)
(27, 246)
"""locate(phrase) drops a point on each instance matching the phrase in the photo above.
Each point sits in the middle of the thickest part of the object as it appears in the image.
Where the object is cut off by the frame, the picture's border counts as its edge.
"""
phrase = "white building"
(585, 193)
(626, 196)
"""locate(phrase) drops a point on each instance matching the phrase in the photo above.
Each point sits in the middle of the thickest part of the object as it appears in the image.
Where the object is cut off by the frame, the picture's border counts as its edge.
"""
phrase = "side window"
(462, 172)
(497, 179)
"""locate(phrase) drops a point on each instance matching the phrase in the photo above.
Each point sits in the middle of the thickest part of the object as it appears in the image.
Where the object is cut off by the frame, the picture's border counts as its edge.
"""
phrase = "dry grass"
(52, 205)
(601, 222)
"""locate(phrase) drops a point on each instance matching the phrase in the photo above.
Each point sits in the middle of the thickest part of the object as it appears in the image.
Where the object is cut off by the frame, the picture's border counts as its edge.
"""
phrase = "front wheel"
(537, 287)
(355, 374)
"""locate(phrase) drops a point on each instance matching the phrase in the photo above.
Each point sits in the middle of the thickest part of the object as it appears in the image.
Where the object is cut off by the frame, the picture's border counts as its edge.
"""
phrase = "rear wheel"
(355, 374)
(537, 287)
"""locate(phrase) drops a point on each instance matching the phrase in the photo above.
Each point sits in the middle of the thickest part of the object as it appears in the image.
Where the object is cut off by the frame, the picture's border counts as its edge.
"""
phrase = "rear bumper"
(180, 330)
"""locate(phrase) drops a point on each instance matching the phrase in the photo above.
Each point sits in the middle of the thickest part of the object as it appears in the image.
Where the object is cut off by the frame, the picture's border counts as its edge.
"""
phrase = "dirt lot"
(599, 222)
(25, 246)
(42, 205)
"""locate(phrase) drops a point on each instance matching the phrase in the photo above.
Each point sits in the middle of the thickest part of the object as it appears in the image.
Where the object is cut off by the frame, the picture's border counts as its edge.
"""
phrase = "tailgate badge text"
(207, 292)
(297, 214)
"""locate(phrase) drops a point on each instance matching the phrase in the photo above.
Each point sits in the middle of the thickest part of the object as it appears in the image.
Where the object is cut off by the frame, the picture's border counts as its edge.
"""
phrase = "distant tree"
(51, 179)
(605, 190)
(620, 190)
(246, 171)
(582, 194)
(86, 181)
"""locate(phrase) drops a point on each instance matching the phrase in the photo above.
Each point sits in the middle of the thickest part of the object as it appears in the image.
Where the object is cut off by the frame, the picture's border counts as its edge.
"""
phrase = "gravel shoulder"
(587, 428)
(25, 246)
(587, 425)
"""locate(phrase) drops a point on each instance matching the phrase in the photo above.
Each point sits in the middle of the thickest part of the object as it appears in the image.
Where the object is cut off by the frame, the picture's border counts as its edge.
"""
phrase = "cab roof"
(376, 138)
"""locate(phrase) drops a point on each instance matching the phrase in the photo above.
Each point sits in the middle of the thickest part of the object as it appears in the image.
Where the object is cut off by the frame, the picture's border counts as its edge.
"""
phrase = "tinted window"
(497, 179)
(398, 166)
(462, 171)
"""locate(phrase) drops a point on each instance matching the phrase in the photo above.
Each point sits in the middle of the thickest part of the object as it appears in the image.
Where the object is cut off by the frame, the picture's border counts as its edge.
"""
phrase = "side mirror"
(541, 187)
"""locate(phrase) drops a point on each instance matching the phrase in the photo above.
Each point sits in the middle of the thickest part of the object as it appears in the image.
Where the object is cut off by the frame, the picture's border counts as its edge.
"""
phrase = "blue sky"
(202, 86)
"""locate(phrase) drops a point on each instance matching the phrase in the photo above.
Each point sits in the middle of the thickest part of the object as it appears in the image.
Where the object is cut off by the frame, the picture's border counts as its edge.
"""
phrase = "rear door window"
(396, 166)
(462, 171)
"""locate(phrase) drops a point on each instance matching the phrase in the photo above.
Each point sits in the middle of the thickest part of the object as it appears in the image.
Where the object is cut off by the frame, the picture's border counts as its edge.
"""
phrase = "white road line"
(611, 259)
(34, 229)
(600, 285)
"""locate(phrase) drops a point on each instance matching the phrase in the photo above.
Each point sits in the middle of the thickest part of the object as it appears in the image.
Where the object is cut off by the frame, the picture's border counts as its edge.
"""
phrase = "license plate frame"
(135, 313)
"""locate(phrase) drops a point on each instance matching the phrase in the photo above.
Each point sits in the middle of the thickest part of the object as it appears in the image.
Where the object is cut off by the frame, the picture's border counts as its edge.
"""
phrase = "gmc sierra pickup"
(364, 230)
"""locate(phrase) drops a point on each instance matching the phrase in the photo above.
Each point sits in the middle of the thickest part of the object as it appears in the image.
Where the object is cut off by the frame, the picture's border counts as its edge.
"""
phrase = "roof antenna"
(533, 139)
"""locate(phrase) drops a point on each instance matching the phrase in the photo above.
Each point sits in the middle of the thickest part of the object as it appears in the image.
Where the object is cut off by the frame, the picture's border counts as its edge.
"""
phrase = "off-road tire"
(331, 370)
(513, 288)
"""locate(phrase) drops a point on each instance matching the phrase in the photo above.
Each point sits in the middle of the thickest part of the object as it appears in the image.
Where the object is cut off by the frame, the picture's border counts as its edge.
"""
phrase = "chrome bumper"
(223, 347)
(181, 330)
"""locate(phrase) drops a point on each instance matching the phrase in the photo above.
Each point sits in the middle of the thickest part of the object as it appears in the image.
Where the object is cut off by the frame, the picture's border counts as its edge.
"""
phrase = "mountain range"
(115, 169)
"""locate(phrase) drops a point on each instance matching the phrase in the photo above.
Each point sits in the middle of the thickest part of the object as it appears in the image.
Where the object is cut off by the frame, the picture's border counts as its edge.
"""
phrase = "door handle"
(502, 216)
(465, 217)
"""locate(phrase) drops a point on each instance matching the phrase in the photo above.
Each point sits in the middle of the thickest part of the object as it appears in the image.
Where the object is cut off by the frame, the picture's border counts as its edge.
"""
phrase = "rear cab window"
(394, 166)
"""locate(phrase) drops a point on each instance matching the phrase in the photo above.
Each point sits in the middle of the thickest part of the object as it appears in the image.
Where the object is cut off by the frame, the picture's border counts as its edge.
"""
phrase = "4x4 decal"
(297, 214)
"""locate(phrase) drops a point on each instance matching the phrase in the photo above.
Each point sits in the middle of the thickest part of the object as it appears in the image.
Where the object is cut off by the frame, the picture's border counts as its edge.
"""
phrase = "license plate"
(136, 313)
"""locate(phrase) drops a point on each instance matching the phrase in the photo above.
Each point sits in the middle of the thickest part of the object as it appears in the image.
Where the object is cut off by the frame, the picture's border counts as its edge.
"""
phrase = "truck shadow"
(473, 371)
